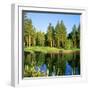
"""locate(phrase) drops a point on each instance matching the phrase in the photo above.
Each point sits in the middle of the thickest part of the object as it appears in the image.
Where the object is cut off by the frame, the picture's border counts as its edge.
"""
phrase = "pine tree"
(78, 36)
(57, 35)
(50, 35)
(61, 34)
(40, 39)
(73, 35)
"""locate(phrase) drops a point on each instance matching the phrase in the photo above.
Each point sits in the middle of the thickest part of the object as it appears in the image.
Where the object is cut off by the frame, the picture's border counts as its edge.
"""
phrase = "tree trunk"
(51, 43)
(58, 43)
(29, 40)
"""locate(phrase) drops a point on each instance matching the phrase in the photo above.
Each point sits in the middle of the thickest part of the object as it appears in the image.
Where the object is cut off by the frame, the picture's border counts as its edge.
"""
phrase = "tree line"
(54, 37)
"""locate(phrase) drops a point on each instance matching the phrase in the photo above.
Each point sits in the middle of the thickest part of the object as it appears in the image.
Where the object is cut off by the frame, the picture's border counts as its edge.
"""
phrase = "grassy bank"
(48, 49)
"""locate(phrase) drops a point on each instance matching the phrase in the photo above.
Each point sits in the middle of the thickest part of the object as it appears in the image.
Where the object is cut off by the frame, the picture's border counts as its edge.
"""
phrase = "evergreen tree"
(40, 39)
(78, 37)
(73, 35)
(33, 38)
(50, 35)
(57, 35)
(61, 34)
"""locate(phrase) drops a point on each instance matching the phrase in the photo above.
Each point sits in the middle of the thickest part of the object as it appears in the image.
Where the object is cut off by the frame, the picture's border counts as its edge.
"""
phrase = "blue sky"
(41, 20)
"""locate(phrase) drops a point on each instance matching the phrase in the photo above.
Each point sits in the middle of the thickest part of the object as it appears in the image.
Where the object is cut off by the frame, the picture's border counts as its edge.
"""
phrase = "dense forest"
(55, 36)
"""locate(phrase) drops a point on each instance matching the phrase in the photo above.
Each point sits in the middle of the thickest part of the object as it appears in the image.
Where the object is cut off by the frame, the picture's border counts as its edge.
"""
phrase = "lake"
(39, 64)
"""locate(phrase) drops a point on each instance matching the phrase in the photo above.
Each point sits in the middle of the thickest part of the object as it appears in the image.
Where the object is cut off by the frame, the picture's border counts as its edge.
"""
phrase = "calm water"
(52, 64)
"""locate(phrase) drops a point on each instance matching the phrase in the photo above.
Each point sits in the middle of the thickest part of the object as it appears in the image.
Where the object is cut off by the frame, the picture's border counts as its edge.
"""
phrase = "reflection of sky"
(43, 68)
(68, 70)
(41, 20)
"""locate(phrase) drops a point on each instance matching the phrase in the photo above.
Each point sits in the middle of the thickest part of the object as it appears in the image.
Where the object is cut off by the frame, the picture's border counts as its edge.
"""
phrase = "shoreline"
(50, 50)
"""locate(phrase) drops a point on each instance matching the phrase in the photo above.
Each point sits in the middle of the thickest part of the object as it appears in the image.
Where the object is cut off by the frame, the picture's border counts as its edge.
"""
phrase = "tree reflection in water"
(51, 64)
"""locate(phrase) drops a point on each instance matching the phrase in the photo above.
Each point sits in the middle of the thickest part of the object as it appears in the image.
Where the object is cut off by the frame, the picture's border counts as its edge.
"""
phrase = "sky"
(41, 20)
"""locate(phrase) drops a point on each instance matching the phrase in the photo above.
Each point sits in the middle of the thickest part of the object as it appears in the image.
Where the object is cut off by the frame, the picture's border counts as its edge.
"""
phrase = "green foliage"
(28, 32)
(74, 36)
(68, 44)
(60, 35)
(42, 49)
(40, 39)
(50, 35)
(29, 71)
(54, 37)
(74, 29)
(57, 35)
(78, 37)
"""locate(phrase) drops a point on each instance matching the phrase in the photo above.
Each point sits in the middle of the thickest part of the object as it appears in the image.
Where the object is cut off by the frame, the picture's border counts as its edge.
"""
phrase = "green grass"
(46, 49)
(75, 49)
(42, 49)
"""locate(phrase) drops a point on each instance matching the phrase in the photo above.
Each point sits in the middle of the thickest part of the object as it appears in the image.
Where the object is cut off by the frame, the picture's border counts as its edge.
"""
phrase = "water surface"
(51, 64)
